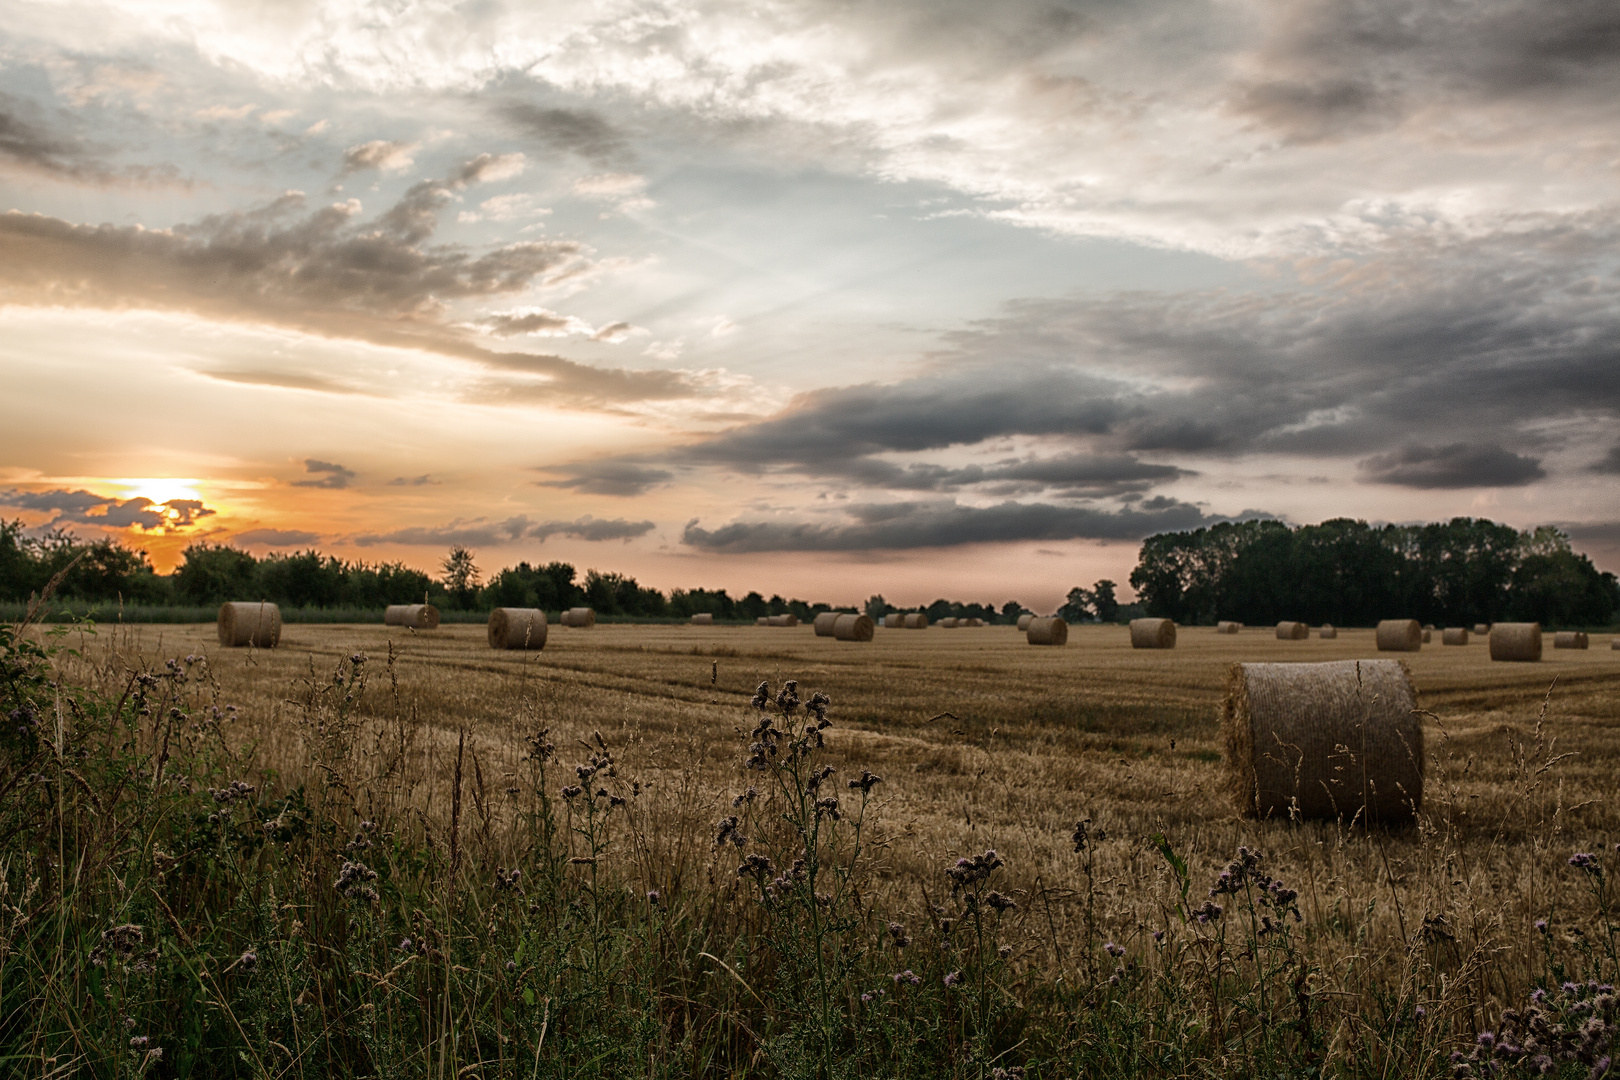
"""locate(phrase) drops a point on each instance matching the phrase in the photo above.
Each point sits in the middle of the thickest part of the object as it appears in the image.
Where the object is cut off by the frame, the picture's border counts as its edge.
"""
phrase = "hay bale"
(1024, 620)
(1227, 627)
(1482, 628)
(1454, 635)
(853, 628)
(783, 620)
(763, 620)
(1292, 631)
(1614, 644)
(1426, 634)
(1570, 639)
(1153, 634)
(415, 616)
(248, 623)
(915, 621)
(1516, 641)
(1399, 635)
(1327, 632)
(893, 621)
(970, 622)
(824, 623)
(1330, 740)
(703, 618)
(1047, 630)
(517, 628)
(947, 623)
(581, 617)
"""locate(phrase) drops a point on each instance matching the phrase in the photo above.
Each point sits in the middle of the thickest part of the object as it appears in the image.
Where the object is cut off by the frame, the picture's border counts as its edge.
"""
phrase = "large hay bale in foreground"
(517, 628)
(1454, 635)
(1292, 631)
(1024, 621)
(247, 623)
(414, 616)
(1399, 635)
(582, 618)
(1047, 630)
(1482, 628)
(853, 628)
(824, 623)
(1570, 639)
(915, 621)
(1330, 740)
(1153, 634)
(1328, 632)
(703, 618)
(1516, 641)
(1226, 626)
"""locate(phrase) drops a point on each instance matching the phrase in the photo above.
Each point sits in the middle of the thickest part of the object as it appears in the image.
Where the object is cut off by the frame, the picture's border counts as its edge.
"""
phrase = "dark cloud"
(1608, 463)
(475, 532)
(905, 525)
(1459, 465)
(531, 322)
(411, 481)
(31, 143)
(276, 537)
(583, 133)
(329, 475)
(594, 529)
(87, 508)
(607, 477)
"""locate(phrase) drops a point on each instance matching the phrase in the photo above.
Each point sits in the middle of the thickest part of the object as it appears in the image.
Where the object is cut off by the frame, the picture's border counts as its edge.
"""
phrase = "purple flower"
(953, 978)
(1116, 951)
(1541, 925)
(1158, 936)
(1585, 860)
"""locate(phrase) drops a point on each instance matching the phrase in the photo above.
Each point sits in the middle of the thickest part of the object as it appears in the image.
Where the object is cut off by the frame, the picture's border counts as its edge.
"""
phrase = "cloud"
(947, 523)
(611, 477)
(614, 333)
(474, 532)
(379, 154)
(576, 131)
(536, 321)
(411, 481)
(277, 537)
(1459, 465)
(592, 529)
(29, 143)
(335, 476)
(1609, 463)
(87, 508)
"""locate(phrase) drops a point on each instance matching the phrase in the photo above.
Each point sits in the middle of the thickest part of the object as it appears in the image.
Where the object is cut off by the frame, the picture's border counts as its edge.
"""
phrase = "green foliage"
(104, 570)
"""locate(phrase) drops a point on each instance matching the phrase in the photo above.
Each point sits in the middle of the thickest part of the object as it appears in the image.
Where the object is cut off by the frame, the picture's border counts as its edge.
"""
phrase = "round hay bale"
(1327, 632)
(1292, 631)
(893, 620)
(1399, 635)
(517, 628)
(703, 618)
(414, 616)
(1570, 639)
(824, 623)
(970, 622)
(1047, 630)
(783, 620)
(1516, 641)
(1426, 635)
(1024, 621)
(1226, 626)
(1614, 644)
(1153, 634)
(581, 617)
(947, 623)
(1454, 635)
(1482, 628)
(853, 628)
(915, 621)
(1331, 740)
(248, 623)
(763, 620)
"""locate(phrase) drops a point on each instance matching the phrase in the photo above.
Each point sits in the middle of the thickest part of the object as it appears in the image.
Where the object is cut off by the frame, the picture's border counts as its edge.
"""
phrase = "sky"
(818, 297)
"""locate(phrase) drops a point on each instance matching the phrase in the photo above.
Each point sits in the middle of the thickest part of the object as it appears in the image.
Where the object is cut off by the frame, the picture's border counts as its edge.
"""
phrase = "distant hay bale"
(824, 623)
(784, 620)
(1428, 626)
(1292, 631)
(1454, 635)
(915, 621)
(1426, 635)
(947, 623)
(1570, 639)
(763, 620)
(1153, 634)
(1024, 620)
(1047, 630)
(517, 628)
(1226, 626)
(1399, 635)
(1516, 641)
(852, 628)
(1614, 643)
(703, 618)
(249, 623)
(970, 622)
(894, 620)
(415, 616)
(1329, 740)
(1328, 632)
(582, 618)
(1482, 628)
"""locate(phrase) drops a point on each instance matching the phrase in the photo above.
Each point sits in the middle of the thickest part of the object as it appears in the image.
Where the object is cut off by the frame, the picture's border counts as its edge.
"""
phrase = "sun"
(160, 489)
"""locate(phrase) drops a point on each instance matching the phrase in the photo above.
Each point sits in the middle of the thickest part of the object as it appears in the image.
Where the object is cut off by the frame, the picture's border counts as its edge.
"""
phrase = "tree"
(877, 607)
(1563, 589)
(460, 576)
(1078, 607)
(1103, 601)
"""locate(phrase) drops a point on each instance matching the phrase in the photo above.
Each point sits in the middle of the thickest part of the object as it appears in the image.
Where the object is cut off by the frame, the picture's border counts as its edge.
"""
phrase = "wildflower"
(787, 699)
(1420, 1012)
(138, 1042)
(541, 749)
(999, 902)
(511, 966)
(968, 871)
(123, 939)
(1015, 1072)
(813, 785)
(507, 879)
(352, 881)
(1116, 951)
(1541, 926)
(248, 961)
(898, 936)
(727, 827)
(1208, 913)
(1004, 952)
(654, 897)
(908, 976)
(866, 782)
(953, 978)
(1586, 861)
(746, 797)
(1084, 835)
(827, 808)
(571, 792)
(1158, 937)
(762, 696)
(405, 944)
(357, 659)
(756, 866)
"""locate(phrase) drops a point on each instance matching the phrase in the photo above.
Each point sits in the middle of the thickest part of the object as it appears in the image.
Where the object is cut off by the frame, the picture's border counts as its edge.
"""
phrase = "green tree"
(460, 576)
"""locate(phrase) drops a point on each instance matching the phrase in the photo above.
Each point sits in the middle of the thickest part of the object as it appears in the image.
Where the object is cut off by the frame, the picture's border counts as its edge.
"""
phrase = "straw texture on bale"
(703, 618)
(1047, 630)
(853, 628)
(1399, 635)
(1328, 632)
(970, 622)
(1516, 641)
(1153, 634)
(415, 616)
(1225, 626)
(947, 623)
(517, 628)
(894, 620)
(1454, 635)
(1023, 621)
(784, 620)
(1330, 740)
(1292, 631)
(824, 623)
(582, 617)
(1570, 639)
(256, 624)
(916, 621)
(1426, 634)
(1482, 628)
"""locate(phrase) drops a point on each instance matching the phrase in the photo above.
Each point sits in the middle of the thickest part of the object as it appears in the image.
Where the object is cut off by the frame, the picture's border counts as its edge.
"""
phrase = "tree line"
(1349, 573)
